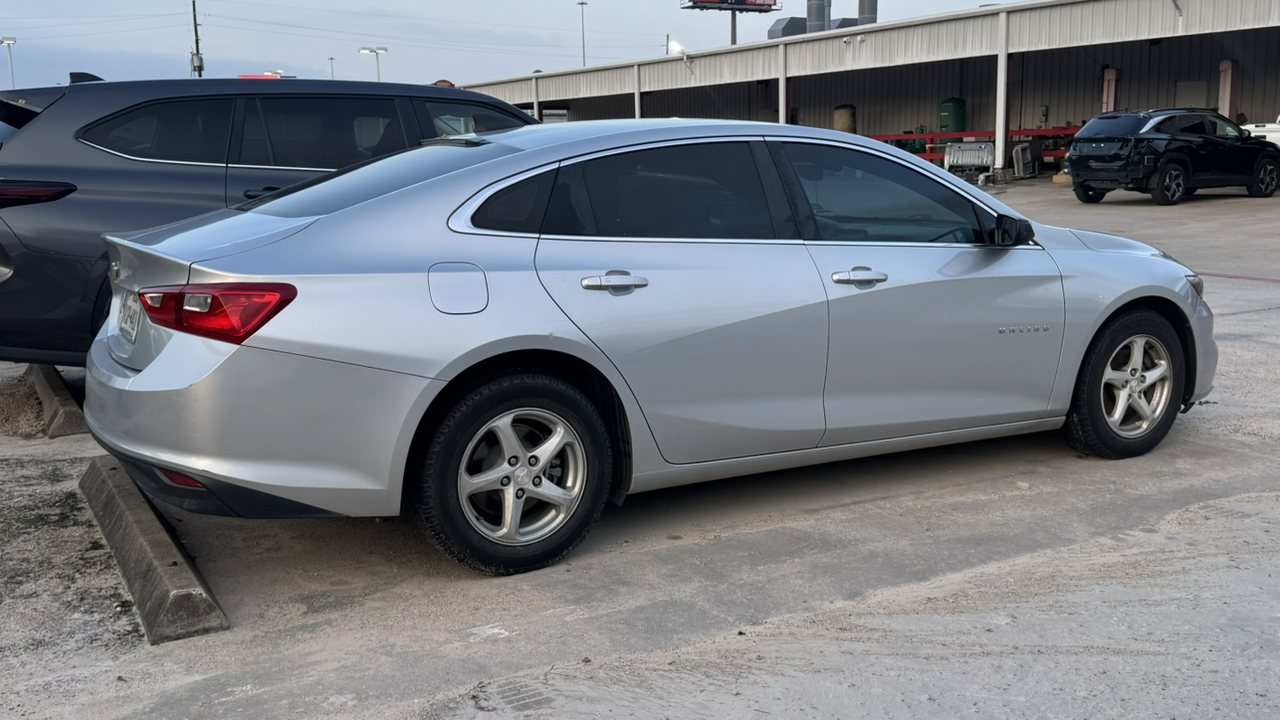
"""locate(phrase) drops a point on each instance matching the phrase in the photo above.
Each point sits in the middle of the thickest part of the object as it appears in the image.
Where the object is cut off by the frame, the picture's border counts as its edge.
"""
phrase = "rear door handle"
(254, 194)
(860, 276)
(614, 282)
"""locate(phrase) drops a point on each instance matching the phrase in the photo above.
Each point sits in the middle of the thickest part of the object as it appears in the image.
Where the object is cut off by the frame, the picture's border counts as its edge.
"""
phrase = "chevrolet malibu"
(501, 333)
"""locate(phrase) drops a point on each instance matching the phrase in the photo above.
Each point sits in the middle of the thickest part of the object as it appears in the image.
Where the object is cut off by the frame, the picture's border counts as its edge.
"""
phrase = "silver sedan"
(502, 333)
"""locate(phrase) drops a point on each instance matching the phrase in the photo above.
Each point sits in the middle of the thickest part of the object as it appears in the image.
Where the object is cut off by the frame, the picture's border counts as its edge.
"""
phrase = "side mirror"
(1011, 231)
(1246, 133)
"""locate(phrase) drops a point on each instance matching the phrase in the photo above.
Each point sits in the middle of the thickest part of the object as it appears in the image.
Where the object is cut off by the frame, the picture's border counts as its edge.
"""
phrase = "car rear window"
(374, 178)
(1113, 126)
(13, 118)
(175, 130)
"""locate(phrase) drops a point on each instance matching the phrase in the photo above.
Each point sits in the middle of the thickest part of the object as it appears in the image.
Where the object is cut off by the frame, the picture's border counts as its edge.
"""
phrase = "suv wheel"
(1171, 185)
(1266, 179)
(1088, 195)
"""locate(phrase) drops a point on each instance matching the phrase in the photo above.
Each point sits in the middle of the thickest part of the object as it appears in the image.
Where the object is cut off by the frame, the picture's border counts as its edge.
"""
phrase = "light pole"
(582, 4)
(331, 68)
(8, 43)
(376, 52)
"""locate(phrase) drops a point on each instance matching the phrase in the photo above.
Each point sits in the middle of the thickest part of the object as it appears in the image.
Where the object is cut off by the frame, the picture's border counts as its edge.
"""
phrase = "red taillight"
(183, 480)
(28, 192)
(229, 312)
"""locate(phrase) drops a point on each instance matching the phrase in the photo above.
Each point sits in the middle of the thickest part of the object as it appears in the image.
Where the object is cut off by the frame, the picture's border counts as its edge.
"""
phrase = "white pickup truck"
(1265, 131)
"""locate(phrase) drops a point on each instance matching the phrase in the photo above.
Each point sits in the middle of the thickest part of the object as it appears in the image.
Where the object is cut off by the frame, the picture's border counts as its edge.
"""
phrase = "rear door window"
(178, 130)
(446, 119)
(319, 133)
(519, 207)
(710, 190)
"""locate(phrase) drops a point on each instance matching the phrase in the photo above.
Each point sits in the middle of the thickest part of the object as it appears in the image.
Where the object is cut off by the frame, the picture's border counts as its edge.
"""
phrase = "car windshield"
(365, 181)
(1113, 126)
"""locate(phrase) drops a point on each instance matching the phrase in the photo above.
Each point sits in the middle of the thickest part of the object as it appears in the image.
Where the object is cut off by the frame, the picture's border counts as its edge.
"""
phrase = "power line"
(132, 18)
(106, 32)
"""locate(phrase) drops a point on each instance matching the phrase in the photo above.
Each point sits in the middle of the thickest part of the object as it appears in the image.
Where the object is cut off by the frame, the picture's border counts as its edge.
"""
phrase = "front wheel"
(1171, 185)
(1088, 195)
(1266, 179)
(515, 475)
(1129, 388)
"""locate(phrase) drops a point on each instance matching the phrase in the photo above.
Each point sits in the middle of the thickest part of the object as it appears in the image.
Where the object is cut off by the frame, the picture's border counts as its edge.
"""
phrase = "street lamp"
(331, 59)
(376, 52)
(582, 4)
(8, 43)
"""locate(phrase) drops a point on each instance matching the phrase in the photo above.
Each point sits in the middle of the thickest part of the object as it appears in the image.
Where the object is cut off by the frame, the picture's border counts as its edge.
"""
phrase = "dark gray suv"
(95, 157)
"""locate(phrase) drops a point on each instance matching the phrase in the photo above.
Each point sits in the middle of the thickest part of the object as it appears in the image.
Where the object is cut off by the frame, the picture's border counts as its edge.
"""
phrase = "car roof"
(1161, 112)
(532, 137)
(236, 86)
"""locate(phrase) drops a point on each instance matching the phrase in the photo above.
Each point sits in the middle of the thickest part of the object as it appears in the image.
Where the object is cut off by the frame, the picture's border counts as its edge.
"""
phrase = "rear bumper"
(268, 434)
(1129, 178)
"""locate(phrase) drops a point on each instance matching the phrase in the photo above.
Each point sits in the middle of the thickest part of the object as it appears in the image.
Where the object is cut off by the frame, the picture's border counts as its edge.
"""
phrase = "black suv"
(95, 157)
(1169, 154)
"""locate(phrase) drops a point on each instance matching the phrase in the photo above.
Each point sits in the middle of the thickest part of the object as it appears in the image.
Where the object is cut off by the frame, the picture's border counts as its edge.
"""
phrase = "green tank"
(951, 116)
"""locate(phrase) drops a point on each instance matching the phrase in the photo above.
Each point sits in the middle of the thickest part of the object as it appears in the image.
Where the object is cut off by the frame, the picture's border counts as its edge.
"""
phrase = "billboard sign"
(736, 5)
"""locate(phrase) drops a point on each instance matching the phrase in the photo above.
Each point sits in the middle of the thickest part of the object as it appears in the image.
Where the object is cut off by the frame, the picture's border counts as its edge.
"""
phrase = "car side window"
(1222, 129)
(1195, 125)
(858, 197)
(452, 118)
(320, 133)
(178, 130)
(519, 207)
(705, 191)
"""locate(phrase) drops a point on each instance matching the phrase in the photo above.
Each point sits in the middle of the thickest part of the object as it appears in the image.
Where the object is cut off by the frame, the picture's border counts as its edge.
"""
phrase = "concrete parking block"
(62, 416)
(171, 598)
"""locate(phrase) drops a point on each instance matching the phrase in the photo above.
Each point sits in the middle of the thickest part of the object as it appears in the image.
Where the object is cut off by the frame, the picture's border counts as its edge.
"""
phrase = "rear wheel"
(1129, 387)
(1088, 195)
(516, 475)
(1266, 179)
(1171, 185)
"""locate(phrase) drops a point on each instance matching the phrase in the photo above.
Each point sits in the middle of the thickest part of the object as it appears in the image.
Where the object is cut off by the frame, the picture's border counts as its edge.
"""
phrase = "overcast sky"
(462, 40)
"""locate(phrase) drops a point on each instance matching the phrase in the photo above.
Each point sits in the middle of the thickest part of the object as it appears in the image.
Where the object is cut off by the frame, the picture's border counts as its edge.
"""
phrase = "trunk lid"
(1102, 151)
(163, 257)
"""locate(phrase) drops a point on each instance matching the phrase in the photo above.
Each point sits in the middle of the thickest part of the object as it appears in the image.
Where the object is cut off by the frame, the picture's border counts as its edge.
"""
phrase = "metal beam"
(639, 113)
(1002, 92)
(782, 84)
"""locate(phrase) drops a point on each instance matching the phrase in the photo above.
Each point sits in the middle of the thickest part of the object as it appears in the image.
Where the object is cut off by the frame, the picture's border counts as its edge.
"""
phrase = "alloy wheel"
(1269, 178)
(522, 476)
(1136, 386)
(1175, 184)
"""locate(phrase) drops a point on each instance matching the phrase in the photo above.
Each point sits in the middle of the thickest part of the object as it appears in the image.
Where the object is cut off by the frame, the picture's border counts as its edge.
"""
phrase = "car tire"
(468, 487)
(1170, 185)
(1107, 417)
(1266, 179)
(1088, 195)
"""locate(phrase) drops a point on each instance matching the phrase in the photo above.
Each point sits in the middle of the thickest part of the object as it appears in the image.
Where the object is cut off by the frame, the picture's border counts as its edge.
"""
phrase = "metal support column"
(1002, 93)
(537, 105)
(782, 84)
(639, 112)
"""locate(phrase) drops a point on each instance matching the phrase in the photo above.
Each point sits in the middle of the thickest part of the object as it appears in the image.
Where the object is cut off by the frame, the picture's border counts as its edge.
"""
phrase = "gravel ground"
(20, 414)
(1173, 621)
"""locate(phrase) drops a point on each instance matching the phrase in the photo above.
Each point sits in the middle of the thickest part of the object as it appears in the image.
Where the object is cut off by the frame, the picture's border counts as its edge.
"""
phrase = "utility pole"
(331, 68)
(197, 61)
(733, 27)
(666, 49)
(582, 4)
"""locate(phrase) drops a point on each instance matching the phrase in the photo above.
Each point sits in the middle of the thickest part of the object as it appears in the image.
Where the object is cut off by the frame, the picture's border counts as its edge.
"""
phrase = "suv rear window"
(178, 130)
(13, 118)
(1113, 126)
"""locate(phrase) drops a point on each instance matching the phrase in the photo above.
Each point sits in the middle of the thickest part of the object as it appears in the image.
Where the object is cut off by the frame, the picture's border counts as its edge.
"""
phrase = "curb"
(62, 416)
(170, 596)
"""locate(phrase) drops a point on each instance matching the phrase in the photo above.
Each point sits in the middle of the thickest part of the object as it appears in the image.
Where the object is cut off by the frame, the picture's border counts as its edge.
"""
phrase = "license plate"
(130, 315)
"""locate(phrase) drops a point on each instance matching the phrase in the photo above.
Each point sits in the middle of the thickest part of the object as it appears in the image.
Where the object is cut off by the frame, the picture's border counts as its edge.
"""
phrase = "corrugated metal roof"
(1037, 25)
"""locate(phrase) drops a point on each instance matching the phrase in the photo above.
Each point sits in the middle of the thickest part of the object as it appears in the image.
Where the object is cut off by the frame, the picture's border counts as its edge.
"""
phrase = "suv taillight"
(29, 192)
(230, 312)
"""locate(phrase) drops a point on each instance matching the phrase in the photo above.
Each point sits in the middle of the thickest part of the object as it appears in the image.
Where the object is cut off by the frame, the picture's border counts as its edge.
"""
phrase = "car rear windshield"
(13, 118)
(1113, 126)
(360, 183)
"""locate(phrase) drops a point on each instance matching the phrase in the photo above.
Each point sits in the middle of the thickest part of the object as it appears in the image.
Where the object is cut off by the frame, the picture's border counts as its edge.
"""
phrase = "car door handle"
(614, 282)
(861, 276)
(254, 194)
